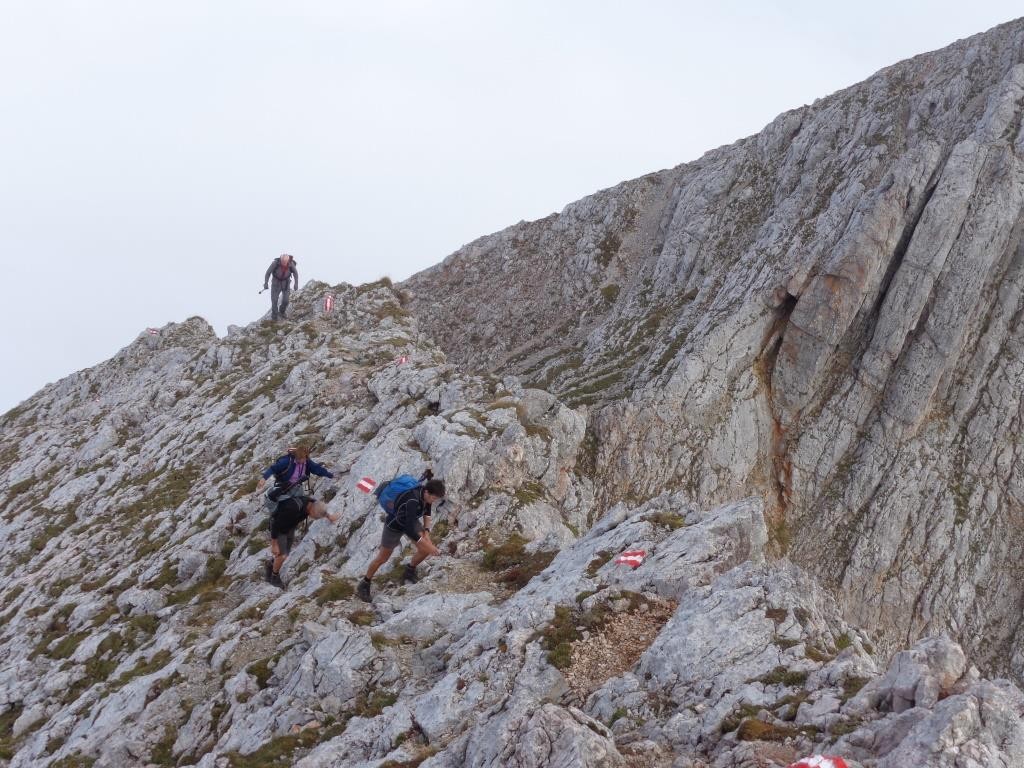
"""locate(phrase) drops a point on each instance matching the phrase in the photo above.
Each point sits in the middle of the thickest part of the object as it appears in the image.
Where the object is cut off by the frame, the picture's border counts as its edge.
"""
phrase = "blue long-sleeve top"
(283, 467)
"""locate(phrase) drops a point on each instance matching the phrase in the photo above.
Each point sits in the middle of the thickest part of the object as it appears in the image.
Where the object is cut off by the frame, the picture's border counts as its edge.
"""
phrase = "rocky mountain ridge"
(786, 373)
(137, 629)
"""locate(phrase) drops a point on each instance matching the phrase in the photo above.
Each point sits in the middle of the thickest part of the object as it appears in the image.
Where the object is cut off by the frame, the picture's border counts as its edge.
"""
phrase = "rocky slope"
(137, 629)
(826, 315)
(785, 372)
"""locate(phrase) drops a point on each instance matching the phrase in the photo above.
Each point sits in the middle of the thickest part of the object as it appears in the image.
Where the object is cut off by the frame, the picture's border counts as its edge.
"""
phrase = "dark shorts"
(391, 537)
(285, 541)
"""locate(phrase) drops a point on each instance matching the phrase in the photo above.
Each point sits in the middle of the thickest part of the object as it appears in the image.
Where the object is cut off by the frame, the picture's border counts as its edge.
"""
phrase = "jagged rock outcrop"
(826, 314)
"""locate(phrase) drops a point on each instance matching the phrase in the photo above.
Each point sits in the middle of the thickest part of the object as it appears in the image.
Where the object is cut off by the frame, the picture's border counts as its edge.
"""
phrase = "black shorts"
(285, 541)
(392, 537)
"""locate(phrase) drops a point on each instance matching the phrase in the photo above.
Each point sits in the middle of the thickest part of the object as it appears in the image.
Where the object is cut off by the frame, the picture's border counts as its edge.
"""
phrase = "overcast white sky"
(154, 157)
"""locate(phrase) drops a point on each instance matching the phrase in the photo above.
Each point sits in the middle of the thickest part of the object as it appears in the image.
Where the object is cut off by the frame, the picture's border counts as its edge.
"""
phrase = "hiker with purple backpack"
(290, 472)
(405, 501)
(281, 271)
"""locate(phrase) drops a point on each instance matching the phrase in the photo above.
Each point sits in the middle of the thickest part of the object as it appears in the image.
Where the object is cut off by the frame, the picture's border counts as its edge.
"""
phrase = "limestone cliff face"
(826, 315)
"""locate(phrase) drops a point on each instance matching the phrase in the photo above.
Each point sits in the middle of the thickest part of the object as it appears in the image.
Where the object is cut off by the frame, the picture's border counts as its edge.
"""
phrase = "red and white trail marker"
(820, 761)
(152, 331)
(632, 558)
(402, 360)
(366, 484)
(328, 303)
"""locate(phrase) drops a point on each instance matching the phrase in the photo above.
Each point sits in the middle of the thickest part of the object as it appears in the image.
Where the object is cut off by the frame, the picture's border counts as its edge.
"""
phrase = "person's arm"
(276, 468)
(266, 277)
(426, 522)
(317, 515)
(316, 469)
(295, 274)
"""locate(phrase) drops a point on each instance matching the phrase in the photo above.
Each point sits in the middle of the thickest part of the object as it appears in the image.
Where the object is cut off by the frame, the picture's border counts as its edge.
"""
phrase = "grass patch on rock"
(737, 716)
(101, 666)
(670, 520)
(513, 564)
(248, 488)
(558, 637)
(333, 590)
(784, 676)
(753, 729)
(7, 742)
(56, 629)
(158, 661)
(281, 752)
(19, 488)
(371, 705)
(627, 612)
(171, 492)
(439, 531)
(852, 686)
(163, 751)
(77, 760)
(262, 670)
(167, 576)
(600, 559)
(528, 493)
(211, 582)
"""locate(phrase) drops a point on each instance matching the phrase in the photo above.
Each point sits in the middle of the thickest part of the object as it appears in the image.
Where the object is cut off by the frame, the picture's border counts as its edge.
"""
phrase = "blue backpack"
(387, 493)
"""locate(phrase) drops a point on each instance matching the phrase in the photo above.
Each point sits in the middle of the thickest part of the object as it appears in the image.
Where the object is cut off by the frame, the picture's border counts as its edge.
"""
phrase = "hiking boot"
(409, 577)
(363, 590)
(275, 580)
(268, 569)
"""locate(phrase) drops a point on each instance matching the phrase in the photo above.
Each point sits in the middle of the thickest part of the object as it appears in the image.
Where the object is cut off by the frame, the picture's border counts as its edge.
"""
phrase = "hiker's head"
(285, 259)
(301, 452)
(433, 491)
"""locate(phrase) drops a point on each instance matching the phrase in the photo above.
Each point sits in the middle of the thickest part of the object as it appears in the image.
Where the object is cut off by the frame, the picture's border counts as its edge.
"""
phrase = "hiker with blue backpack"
(407, 506)
(290, 472)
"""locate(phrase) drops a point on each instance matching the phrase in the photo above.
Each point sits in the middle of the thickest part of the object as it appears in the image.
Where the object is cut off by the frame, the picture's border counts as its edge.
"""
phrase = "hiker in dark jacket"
(410, 507)
(290, 472)
(285, 519)
(281, 271)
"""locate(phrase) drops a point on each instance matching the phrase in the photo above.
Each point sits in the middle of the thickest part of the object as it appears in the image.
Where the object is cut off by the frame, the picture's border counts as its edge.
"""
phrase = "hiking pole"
(265, 289)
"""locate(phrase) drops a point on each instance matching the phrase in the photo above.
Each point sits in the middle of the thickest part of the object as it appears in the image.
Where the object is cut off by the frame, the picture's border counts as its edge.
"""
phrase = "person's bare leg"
(382, 557)
(424, 548)
(363, 589)
(279, 558)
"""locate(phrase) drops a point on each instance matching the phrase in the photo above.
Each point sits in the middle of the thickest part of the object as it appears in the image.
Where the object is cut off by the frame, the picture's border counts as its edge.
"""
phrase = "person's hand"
(265, 286)
(334, 518)
(261, 484)
(426, 544)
